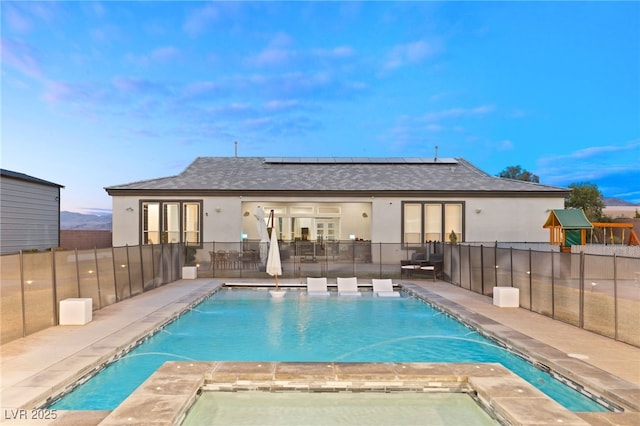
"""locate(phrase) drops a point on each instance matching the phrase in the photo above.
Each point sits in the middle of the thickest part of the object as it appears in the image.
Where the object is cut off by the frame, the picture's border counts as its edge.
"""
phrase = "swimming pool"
(247, 325)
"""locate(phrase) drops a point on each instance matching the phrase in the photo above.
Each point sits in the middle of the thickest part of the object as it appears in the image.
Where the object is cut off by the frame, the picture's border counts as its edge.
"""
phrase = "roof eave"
(333, 193)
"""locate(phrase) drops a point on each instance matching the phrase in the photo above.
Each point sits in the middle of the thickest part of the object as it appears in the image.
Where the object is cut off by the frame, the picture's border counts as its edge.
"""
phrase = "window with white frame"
(431, 221)
(171, 222)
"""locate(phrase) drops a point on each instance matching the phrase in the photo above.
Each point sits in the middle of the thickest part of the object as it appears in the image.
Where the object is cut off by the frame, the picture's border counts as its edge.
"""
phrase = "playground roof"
(567, 219)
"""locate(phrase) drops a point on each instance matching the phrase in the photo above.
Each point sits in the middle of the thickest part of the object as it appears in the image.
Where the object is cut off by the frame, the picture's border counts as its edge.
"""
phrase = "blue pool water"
(247, 325)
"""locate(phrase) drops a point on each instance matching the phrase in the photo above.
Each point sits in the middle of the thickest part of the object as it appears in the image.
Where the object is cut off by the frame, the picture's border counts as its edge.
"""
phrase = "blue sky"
(96, 94)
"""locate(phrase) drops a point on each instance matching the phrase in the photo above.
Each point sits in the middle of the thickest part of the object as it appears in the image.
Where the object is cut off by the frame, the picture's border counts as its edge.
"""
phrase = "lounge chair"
(384, 288)
(317, 287)
(348, 287)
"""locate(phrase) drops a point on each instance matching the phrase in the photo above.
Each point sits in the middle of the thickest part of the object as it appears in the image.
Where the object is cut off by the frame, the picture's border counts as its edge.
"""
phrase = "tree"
(586, 196)
(517, 173)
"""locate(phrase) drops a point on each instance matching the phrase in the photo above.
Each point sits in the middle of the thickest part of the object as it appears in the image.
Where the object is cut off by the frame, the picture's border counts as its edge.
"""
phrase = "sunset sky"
(96, 94)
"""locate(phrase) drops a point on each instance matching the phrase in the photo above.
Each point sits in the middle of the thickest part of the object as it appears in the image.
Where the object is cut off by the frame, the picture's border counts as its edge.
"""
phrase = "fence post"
(482, 269)
(511, 264)
(95, 259)
(162, 263)
(581, 283)
(553, 286)
(615, 295)
(141, 266)
(379, 257)
(460, 264)
(153, 266)
(353, 257)
(24, 316)
(129, 270)
(75, 251)
(495, 263)
(530, 283)
(54, 287)
(470, 269)
(115, 281)
(213, 259)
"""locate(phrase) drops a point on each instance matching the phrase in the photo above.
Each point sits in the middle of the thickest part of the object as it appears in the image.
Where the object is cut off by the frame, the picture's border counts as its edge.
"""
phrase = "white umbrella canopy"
(274, 266)
(262, 232)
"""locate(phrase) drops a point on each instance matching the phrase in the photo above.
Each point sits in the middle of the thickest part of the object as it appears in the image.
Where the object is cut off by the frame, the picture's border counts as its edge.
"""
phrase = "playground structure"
(632, 240)
(569, 227)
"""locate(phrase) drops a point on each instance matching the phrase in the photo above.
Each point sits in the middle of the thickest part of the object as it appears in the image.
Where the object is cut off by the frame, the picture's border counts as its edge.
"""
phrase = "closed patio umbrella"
(274, 266)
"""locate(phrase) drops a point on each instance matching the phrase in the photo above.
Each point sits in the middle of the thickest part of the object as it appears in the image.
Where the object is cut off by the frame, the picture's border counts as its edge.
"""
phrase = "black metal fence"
(33, 284)
(596, 292)
(301, 259)
(599, 293)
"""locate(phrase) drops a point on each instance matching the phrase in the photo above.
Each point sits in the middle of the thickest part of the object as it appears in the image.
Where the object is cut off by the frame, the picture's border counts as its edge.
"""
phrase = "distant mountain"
(71, 220)
(608, 201)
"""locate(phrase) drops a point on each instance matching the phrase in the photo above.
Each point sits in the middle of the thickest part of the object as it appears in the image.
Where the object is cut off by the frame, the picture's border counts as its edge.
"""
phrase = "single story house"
(408, 201)
(29, 212)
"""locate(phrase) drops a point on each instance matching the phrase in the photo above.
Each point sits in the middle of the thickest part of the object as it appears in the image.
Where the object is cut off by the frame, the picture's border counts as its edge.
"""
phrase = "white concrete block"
(506, 297)
(189, 272)
(76, 311)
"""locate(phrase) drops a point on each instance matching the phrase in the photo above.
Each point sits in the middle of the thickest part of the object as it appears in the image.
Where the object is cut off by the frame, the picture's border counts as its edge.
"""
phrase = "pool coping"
(583, 377)
(166, 396)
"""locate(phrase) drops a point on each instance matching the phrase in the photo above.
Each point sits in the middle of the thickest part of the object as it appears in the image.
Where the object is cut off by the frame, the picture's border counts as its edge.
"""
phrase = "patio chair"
(384, 288)
(233, 259)
(436, 261)
(417, 260)
(317, 287)
(348, 287)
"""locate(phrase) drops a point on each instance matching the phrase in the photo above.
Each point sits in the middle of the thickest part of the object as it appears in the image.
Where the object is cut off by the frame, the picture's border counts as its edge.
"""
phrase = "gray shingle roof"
(239, 174)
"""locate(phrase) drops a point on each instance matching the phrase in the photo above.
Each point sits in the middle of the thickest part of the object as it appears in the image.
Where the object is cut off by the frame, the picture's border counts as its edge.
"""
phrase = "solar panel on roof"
(358, 160)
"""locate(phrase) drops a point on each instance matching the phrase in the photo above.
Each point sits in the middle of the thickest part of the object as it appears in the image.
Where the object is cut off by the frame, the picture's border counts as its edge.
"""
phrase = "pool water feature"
(247, 325)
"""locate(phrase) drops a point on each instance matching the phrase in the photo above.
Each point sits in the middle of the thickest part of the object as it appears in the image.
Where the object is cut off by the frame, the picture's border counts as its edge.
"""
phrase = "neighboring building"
(389, 200)
(29, 212)
(616, 208)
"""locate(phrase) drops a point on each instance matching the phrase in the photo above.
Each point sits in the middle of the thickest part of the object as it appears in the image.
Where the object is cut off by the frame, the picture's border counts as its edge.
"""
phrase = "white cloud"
(162, 54)
(596, 163)
(630, 149)
(505, 145)
(458, 112)
(342, 51)
(280, 105)
(199, 20)
(15, 20)
(273, 57)
(410, 53)
(21, 56)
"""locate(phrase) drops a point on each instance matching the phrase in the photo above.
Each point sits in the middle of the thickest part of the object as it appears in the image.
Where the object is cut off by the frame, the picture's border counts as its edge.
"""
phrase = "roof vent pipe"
(235, 143)
(435, 159)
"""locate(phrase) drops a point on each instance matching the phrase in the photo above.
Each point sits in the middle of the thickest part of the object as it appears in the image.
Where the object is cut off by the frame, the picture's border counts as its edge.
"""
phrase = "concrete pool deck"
(46, 362)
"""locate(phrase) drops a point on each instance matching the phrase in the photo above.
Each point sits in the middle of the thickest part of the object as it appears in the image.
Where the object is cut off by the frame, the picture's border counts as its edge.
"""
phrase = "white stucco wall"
(386, 220)
(221, 219)
(509, 219)
(497, 219)
(125, 221)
